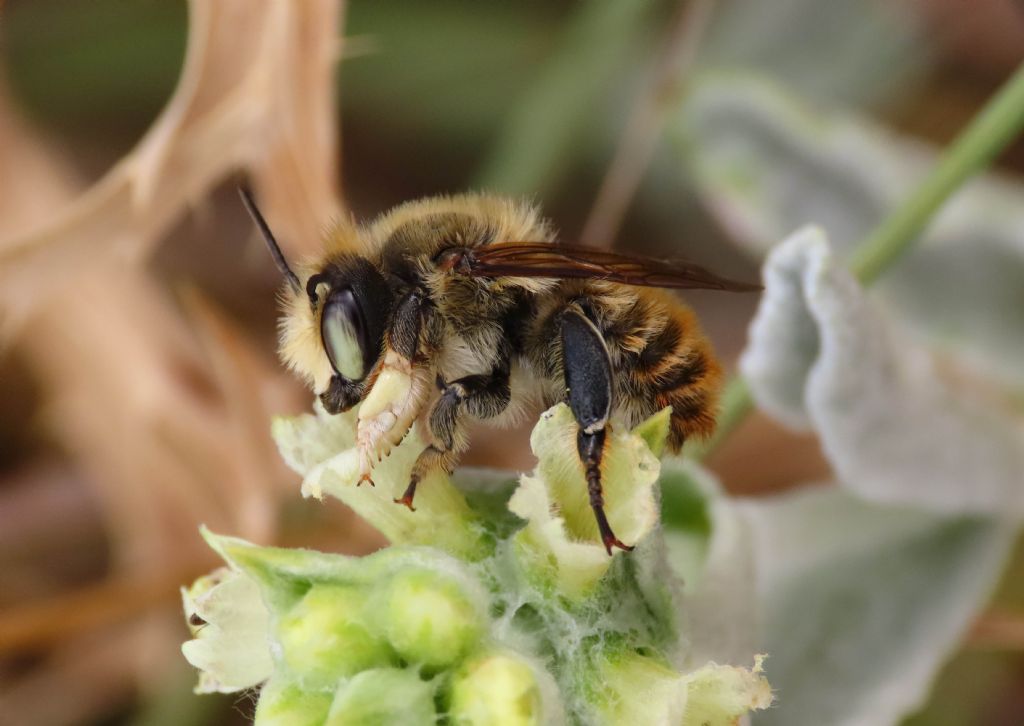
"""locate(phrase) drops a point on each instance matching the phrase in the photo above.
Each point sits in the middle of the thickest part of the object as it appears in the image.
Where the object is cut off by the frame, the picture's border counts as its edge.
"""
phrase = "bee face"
(347, 306)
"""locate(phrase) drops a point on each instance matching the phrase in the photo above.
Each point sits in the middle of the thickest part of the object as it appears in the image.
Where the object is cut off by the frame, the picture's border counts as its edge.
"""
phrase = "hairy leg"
(399, 389)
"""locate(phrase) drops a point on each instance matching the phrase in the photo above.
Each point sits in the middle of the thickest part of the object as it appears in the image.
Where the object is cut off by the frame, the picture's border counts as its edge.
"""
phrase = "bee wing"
(546, 259)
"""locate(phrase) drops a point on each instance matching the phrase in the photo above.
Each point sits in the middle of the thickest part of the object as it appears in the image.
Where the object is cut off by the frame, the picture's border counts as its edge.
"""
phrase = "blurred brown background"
(138, 373)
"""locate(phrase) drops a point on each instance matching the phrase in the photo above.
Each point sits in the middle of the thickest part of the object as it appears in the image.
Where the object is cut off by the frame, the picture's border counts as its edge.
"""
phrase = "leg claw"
(610, 540)
(410, 491)
(608, 537)
(407, 501)
(366, 478)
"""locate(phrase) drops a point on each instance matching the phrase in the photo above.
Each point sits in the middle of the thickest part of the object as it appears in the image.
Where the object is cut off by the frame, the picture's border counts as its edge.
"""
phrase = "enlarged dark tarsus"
(588, 378)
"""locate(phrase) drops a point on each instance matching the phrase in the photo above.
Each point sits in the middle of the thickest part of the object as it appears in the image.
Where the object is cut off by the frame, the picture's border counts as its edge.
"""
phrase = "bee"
(466, 306)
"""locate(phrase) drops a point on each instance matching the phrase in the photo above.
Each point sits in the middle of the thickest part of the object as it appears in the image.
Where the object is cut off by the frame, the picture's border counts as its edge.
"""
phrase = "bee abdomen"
(678, 368)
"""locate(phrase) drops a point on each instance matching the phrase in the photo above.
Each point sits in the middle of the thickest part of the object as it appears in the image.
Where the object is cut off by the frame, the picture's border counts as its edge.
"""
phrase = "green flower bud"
(429, 618)
(325, 636)
(384, 697)
(717, 695)
(633, 688)
(654, 431)
(283, 703)
(496, 690)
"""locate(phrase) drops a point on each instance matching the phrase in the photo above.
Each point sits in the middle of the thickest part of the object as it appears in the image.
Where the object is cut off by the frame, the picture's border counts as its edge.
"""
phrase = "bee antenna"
(268, 236)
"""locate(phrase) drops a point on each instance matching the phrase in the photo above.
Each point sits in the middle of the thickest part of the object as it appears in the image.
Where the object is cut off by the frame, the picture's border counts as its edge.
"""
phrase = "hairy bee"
(465, 306)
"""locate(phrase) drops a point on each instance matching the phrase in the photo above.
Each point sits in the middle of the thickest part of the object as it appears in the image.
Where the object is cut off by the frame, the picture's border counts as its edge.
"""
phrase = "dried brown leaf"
(166, 415)
(256, 93)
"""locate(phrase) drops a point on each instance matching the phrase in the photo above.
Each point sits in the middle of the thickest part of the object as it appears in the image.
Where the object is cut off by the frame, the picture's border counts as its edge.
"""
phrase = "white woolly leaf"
(895, 430)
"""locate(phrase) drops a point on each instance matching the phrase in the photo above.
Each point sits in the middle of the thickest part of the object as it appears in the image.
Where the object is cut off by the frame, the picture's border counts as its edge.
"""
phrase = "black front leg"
(588, 380)
(403, 334)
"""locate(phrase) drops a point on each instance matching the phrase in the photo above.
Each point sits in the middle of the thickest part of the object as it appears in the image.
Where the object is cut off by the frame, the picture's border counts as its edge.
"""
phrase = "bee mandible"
(468, 306)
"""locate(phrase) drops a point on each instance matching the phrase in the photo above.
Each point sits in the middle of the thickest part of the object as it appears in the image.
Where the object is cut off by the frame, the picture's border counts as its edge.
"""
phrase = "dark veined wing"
(546, 259)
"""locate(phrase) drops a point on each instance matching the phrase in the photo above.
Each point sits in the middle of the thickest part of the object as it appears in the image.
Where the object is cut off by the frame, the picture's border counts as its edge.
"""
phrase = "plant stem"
(737, 402)
(988, 133)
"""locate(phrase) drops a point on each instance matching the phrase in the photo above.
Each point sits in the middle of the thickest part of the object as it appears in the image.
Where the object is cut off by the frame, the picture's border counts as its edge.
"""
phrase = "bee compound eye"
(343, 332)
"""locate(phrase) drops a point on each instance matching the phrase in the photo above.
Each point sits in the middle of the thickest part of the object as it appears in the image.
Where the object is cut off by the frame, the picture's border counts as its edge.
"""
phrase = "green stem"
(989, 132)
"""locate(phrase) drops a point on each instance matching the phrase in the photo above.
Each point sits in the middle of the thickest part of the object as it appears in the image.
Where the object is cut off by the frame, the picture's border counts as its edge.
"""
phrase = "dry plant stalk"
(165, 410)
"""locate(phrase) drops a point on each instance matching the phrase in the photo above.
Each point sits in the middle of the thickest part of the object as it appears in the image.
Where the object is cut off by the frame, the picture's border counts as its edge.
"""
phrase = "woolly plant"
(496, 602)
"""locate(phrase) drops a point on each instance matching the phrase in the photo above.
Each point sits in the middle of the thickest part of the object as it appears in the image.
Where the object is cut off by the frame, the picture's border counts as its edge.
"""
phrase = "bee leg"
(482, 396)
(430, 459)
(588, 380)
(403, 336)
(401, 387)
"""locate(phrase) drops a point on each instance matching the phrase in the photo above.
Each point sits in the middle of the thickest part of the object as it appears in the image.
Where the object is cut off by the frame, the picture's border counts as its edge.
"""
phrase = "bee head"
(352, 302)
(332, 332)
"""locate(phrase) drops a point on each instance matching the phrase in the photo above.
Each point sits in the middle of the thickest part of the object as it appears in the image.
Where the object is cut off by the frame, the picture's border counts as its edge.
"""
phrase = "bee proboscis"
(466, 306)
